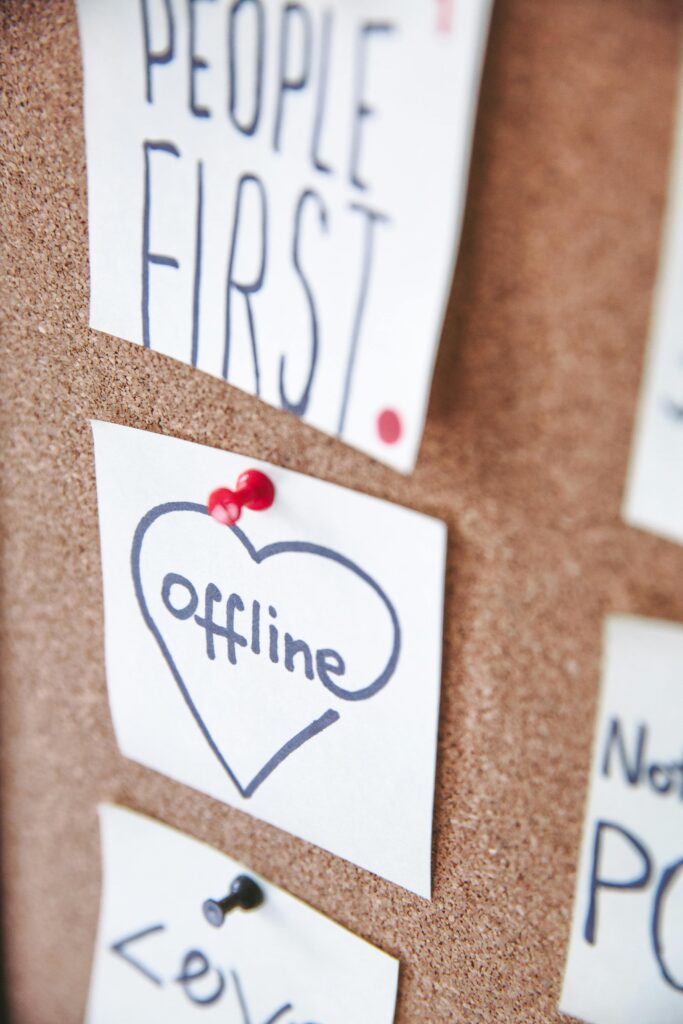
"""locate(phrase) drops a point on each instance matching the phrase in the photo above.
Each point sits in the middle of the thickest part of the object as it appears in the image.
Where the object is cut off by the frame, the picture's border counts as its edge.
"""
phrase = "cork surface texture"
(524, 456)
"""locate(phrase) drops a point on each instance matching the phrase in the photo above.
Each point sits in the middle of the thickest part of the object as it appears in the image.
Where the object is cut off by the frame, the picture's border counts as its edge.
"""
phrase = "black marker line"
(118, 947)
(311, 730)
(148, 257)
(197, 263)
(370, 221)
(243, 1004)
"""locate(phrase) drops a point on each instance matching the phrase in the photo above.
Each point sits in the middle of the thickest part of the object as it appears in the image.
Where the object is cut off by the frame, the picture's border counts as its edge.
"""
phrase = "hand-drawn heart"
(259, 556)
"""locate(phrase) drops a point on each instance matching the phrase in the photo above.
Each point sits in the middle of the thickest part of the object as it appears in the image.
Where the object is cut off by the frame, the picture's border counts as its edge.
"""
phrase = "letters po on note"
(625, 961)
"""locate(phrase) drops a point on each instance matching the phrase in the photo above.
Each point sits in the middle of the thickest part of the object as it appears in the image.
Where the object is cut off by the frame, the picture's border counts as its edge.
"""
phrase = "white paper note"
(625, 963)
(275, 194)
(158, 959)
(654, 495)
(289, 666)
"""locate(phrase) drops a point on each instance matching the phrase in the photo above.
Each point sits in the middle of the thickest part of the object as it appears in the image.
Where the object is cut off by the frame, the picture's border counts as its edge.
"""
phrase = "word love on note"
(654, 496)
(276, 191)
(289, 665)
(158, 959)
(625, 963)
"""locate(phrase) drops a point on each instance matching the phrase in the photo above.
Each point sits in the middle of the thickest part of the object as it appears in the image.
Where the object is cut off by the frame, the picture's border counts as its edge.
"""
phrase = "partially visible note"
(158, 959)
(654, 494)
(275, 194)
(625, 962)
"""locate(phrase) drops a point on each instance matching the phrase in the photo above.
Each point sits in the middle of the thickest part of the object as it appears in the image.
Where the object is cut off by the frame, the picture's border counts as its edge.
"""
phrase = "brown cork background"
(524, 456)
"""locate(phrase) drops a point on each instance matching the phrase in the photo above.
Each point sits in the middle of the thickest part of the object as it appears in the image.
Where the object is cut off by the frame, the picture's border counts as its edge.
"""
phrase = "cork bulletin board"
(524, 456)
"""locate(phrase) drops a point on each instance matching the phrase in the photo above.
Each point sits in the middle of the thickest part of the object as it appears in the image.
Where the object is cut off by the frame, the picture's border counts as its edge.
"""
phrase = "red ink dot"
(389, 426)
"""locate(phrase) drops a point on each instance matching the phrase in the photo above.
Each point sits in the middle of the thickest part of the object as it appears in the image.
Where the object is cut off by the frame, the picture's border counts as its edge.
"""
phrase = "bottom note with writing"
(159, 959)
(625, 963)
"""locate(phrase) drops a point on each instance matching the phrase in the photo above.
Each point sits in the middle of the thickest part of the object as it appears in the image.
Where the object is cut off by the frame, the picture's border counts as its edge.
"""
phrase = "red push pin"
(253, 490)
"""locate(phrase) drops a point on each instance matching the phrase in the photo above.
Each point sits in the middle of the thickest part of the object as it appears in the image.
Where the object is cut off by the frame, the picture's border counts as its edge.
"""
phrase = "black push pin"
(244, 893)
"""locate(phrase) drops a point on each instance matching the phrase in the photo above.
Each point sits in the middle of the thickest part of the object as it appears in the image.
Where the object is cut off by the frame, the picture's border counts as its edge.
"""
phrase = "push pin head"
(253, 490)
(244, 893)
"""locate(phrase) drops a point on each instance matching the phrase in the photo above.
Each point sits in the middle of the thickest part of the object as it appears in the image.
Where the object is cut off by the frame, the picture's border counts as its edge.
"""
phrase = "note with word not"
(625, 963)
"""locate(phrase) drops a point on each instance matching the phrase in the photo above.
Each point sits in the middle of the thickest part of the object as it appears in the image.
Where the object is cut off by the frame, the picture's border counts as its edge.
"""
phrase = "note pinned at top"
(654, 494)
(289, 665)
(625, 962)
(275, 194)
(158, 959)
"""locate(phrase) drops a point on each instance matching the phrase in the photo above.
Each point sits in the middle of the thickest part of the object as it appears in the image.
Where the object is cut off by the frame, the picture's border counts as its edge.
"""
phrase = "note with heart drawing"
(289, 665)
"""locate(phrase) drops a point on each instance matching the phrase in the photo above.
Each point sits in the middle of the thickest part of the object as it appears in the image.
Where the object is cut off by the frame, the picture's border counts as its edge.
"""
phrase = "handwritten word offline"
(328, 662)
(260, 102)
